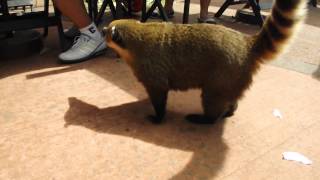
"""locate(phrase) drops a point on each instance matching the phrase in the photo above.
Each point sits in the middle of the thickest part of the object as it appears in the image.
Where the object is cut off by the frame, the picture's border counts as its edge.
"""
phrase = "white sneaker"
(72, 32)
(84, 47)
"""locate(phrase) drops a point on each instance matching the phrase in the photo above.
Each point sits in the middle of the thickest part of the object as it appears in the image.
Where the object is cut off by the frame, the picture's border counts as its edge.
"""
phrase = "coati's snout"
(116, 42)
(113, 35)
(116, 37)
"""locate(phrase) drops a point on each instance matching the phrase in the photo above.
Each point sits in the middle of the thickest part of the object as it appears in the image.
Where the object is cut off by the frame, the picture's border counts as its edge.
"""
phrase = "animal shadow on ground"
(205, 141)
(316, 74)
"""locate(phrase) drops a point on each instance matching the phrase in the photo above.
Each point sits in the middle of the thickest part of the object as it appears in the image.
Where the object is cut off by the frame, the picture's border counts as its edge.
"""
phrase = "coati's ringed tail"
(279, 28)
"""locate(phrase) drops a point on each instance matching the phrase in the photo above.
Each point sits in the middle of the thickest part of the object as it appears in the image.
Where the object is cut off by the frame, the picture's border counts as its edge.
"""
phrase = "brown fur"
(214, 58)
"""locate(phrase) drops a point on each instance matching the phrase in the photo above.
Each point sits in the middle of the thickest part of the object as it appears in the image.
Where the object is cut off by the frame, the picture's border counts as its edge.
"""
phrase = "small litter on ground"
(295, 156)
(277, 113)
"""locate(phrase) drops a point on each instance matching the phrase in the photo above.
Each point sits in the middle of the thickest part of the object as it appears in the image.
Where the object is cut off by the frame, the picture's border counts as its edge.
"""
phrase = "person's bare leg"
(75, 11)
(204, 6)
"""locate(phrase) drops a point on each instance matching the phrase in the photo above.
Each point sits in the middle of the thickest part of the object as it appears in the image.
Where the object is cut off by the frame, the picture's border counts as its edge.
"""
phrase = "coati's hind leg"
(215, 107)
(158, 98)
(232, 108)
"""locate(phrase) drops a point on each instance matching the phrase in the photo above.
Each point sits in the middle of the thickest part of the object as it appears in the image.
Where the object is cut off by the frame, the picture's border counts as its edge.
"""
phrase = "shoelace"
(78, 40)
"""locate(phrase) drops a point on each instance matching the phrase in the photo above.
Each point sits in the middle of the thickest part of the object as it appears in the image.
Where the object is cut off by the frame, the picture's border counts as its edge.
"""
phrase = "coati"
(218, 60)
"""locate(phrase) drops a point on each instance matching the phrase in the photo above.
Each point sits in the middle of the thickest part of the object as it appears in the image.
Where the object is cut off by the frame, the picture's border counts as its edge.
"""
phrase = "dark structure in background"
(16, 36)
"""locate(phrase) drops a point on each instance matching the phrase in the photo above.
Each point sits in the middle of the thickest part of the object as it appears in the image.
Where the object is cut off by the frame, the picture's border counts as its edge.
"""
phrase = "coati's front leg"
(158, 98)
(215, 107)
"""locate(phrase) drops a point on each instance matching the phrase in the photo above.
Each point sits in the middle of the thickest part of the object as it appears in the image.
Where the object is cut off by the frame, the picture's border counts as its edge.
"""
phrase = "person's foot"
(207, 20)
(84, 48)
(72, 32)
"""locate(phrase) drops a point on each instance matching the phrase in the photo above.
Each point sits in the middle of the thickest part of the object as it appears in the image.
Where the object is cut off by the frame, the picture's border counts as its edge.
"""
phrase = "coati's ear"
(116, 37)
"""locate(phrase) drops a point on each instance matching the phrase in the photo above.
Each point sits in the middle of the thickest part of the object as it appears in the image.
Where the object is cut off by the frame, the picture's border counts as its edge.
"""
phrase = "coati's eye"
(116, 37)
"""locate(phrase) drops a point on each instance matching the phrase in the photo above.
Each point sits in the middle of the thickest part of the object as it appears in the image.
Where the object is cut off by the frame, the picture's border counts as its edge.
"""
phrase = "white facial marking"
(113, 29)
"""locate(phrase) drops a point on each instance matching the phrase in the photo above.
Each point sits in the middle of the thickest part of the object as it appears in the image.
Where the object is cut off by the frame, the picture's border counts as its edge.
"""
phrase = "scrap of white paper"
(277, 113)
(295, 156)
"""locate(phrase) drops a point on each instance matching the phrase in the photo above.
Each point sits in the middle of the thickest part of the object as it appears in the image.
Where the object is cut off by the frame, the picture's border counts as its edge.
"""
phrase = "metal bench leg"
(146, 15)
(225, 5)
(89, 8)
(256, 9)
(46, 12)
(144, 10)
(60, 30)
(161, 10)
(94, 8)
(129, 8)
(103, 9)
(186, 12)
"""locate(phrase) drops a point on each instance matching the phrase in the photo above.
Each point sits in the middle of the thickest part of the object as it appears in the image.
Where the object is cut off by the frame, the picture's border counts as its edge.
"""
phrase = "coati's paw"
(228, 114)
(231, 110)
(154, 119)
(199, 119)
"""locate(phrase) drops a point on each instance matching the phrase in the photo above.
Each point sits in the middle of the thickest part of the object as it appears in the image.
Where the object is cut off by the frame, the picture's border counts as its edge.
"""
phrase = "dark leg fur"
(214, 107)
(232, 108)
(158, 99)
(203, 119)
